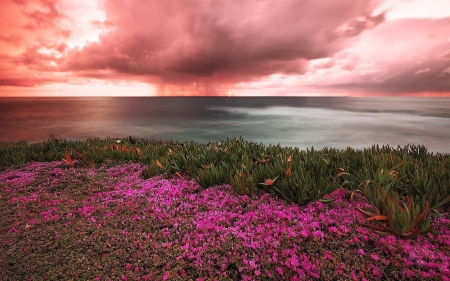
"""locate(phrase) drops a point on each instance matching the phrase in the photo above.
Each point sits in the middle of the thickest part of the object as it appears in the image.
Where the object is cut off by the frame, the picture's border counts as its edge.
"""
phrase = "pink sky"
(226, 47)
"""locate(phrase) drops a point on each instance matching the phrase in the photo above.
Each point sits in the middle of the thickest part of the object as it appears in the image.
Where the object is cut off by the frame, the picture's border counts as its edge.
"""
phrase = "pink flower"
(252, 263)
(328, 256)
(147, 277)
(314, 224)
(317, 234)
(279, 270)
(332, 229)
(424, 274)
(305, 232)
(293, 261)
(374, 257)
(408, 273)
(375, 271)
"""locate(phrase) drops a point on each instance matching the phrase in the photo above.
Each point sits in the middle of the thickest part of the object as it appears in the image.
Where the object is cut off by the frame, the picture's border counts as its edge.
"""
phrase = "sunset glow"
(224, 48)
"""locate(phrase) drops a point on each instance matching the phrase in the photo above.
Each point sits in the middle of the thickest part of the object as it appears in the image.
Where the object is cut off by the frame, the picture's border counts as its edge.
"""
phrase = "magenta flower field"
(108, 223)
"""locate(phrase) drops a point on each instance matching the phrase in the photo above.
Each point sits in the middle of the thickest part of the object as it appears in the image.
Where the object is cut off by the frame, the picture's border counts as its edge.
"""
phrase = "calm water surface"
(299, 121)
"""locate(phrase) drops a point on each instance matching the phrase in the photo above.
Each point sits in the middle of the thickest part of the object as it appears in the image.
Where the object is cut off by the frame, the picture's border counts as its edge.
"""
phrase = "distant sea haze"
(302, 122)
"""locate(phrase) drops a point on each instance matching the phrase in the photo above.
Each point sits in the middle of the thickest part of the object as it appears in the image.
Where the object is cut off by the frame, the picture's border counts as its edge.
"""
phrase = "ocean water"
(303, 122)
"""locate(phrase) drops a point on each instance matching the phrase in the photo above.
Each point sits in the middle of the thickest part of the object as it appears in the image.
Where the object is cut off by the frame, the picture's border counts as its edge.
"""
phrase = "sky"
(224, 48)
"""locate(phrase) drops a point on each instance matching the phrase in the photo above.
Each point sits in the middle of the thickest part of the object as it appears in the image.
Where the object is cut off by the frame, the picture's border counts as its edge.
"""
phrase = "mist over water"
(303, 122)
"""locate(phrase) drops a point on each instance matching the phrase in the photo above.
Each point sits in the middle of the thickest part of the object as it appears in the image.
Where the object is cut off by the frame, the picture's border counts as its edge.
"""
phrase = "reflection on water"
(303, 122)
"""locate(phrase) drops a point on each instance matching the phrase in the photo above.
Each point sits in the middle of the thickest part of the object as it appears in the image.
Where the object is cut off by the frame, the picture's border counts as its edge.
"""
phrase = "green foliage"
(430, 181)
(89, 152)
(394, 216)
(303, 187)
(409, 171)
(385, 176)
(211, 175)
(156, 168)
(301, 175)
(243, 183)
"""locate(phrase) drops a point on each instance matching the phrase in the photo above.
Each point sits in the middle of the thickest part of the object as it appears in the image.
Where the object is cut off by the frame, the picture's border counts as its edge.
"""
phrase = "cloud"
(209, 47)
(22, 82)
(14, 40)
(327, 63)
(357, 26)
(445, 72)
(421, 71)
(445, 55)
(397, 57)
(45, 15)
(32, 42)
(214, 42)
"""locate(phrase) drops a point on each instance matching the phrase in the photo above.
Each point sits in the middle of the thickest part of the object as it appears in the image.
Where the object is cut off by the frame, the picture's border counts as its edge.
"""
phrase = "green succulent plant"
(301, 175)
(243, 182)
(394, 216)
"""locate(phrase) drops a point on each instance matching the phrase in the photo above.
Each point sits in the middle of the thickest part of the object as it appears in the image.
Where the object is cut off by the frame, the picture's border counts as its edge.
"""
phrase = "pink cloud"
(445, 72)
(413, 66)
(445, 55)
(32, 42)
(399, 56)
(422, 71)
(203, 47)
(327, 64)
(11, 39)
(47, 15)
(181, 42)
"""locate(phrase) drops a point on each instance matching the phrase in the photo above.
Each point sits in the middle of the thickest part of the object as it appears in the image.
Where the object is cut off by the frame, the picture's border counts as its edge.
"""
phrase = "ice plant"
(119, 221)
(243, 183)
(68, 159)
(397, 217)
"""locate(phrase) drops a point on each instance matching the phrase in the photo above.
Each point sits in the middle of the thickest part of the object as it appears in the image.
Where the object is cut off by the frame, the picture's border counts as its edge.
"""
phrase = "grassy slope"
(108, 223)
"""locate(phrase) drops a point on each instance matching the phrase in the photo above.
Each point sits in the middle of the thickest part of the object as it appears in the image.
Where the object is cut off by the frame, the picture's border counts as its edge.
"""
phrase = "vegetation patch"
(231, 210)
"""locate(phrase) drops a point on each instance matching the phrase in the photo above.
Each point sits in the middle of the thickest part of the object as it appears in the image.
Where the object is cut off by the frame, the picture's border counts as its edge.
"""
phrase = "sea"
(303, 122)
